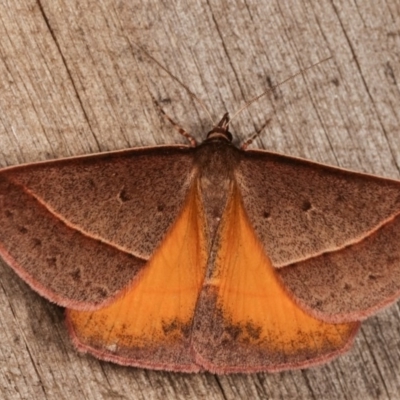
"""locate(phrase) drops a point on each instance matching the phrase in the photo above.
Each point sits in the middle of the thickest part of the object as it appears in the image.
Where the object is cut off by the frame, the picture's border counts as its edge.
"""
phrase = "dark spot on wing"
(52, 261)
(306, 206)
(124, 196)
(253, 331)
(76, 275)
(91, 183)
(8, 213)
(36, 242)
(102, 293)
(266, 215)
(22, 229)
(347, 287)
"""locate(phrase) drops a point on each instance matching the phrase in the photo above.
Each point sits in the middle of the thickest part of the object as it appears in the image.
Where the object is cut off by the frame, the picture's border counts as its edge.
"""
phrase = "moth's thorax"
(216, 162)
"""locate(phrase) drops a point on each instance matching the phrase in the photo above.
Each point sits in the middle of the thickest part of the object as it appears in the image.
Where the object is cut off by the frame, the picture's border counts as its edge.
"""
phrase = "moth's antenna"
(249, 141)
(177, 80)
(277, 85)
(178, 128)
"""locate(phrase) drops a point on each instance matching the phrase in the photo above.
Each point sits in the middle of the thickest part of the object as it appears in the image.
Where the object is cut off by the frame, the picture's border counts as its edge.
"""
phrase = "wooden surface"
(72, 82)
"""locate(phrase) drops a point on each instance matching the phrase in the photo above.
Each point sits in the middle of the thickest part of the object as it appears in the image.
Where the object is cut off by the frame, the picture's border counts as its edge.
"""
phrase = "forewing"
(245, 320)
(335, 232)
(78, 230)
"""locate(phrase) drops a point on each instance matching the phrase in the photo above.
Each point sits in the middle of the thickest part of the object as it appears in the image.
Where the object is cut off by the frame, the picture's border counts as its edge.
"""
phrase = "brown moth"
(204, 257)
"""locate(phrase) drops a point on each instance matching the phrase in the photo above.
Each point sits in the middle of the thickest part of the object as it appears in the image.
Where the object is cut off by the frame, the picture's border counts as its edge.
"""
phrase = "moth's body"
(215, 165)
(207, 257)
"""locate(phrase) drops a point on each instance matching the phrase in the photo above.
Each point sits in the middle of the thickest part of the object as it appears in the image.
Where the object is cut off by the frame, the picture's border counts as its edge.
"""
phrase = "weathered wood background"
(72, 82)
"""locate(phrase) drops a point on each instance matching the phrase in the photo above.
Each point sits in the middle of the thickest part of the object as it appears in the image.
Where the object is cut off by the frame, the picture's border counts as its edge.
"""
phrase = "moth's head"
(220, 131)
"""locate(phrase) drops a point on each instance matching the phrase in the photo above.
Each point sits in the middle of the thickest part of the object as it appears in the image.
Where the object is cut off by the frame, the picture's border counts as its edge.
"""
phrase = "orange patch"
(160, 304)
(252, 298)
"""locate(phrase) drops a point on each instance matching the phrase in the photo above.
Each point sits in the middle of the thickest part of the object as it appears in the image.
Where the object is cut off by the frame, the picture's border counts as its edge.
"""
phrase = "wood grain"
(72, 82)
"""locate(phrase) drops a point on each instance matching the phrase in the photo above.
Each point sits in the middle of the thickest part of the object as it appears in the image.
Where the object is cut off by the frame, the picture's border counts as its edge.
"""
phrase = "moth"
(207, 257)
